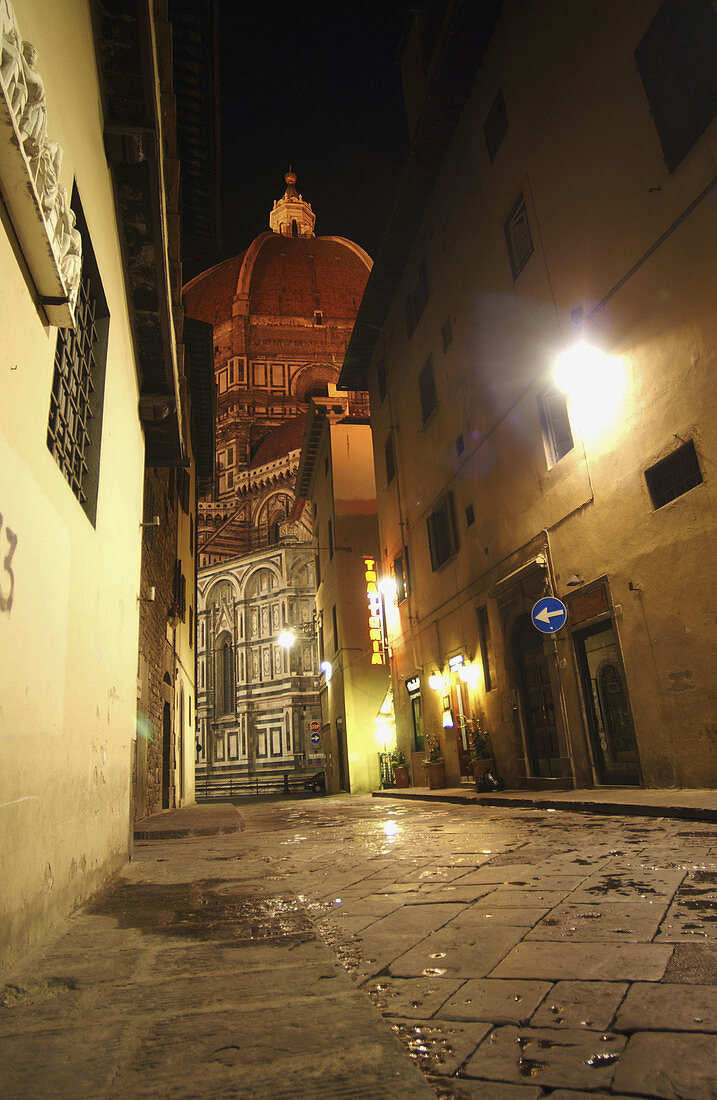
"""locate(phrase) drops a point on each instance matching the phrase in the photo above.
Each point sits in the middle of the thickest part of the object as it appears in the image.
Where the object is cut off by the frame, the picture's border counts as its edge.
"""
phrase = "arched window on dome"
(294, 228)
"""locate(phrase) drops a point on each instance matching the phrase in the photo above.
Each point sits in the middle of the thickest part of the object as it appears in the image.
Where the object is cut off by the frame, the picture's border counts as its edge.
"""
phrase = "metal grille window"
(518, 238)
(74, 426)
(496, 125)
(442, 532)
(427, 389)
(673, 476)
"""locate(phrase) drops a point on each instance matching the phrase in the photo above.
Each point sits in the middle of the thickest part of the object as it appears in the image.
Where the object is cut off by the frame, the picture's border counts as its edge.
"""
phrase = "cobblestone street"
(515, 953)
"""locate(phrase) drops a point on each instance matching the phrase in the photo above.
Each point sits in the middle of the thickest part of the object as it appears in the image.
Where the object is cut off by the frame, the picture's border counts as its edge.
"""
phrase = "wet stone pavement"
(335, 947)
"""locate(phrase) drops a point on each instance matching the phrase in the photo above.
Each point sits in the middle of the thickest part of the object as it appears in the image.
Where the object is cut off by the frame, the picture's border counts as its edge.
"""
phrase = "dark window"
(331, 539)
(495, 125)
(318, 570)
(447, 333)
(326, 465)
(180, 590)
(321, 641)
(381, 375)
(401, 579)
(74, 430)
(183, 489)
(224, 695)
(419, 738)
(336, 629)
(318, 317)
(460, 444)
(470, 516)
(484, 641)
(677, 66)
(390, 459)
(191, 627)
(417, 300)
(427, 389)
(442, 533)
(555, 424)
(517, 235)
(673, 476)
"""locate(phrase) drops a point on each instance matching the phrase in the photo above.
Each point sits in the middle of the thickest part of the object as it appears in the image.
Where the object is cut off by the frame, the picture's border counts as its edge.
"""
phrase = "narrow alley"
(337, 947)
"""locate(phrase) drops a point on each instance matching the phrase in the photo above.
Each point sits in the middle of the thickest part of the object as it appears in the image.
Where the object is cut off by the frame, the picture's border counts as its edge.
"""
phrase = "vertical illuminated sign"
(375, 620)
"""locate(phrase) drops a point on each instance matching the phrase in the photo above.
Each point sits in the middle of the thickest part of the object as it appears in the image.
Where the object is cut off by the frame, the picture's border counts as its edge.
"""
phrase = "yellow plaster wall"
(69, 640)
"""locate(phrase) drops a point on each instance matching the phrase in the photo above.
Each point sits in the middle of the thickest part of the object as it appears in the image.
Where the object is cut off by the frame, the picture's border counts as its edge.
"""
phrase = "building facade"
(539, 343)
(281, 314)
(336, 476)
(96, 396)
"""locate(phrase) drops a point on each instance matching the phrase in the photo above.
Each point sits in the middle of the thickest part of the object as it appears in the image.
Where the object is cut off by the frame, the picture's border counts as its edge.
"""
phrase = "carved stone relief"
(24, 93)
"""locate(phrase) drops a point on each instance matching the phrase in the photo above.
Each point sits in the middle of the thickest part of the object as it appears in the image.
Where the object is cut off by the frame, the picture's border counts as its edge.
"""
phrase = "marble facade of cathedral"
(282, 314)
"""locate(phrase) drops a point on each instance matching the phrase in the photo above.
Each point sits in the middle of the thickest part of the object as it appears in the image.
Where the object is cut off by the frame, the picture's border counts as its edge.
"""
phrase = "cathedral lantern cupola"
(292, 216)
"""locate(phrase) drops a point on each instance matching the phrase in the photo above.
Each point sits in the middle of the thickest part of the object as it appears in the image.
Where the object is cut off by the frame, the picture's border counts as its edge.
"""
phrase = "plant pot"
(480, 767)
(436, 775)
(400, 775)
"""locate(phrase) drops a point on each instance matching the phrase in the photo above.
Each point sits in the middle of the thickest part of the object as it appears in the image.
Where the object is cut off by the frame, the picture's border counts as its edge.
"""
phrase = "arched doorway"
(536, 696)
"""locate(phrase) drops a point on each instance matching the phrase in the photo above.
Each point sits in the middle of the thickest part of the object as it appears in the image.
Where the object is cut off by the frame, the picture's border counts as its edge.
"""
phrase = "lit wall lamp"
(437, 682)
(575, 580)
(594, 383)
(470, 675)
(328, 670)
(286, 639)
(151, 595)
(448, 722)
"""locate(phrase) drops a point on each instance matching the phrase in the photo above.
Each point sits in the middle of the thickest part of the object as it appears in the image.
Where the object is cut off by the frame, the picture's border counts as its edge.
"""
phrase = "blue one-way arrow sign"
(549, 614)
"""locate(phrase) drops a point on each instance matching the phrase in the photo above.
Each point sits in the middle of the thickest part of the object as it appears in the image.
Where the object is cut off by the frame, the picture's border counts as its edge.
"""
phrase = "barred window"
(674, 476)
(74, 429)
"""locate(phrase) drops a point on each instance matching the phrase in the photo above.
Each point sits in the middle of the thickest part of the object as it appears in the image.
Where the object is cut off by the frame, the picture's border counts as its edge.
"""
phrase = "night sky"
(316, 86)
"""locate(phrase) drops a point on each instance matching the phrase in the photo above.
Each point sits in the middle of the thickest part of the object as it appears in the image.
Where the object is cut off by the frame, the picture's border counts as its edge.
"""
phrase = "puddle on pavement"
(198, 910)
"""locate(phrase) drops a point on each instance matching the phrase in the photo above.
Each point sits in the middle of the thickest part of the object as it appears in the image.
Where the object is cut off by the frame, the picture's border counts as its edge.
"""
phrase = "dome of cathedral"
(286, 272)
(280, 441)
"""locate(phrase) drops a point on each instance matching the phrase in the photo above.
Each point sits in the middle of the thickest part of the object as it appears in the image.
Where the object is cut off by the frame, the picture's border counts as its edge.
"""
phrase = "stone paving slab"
(439, 1046)
(674, 1066)
(580, 1004)
(483, 1090)
(484, 915)
(458, 953)
(693, 963)
(621, 922)
(581, 1059)
(586, 961)
(413, 998)
(498, 1001)
(661, 1007)
(417, 919)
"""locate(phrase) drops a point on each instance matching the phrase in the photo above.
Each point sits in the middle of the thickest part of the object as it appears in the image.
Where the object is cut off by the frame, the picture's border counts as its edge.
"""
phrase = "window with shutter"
(555, 422)
(427, 389)
(677, 66)
(518, 237)
(442, 532)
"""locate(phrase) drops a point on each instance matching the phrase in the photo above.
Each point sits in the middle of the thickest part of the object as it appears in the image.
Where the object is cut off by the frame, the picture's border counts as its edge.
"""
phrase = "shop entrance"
(462, 730)
(538, 707)
(607, 704)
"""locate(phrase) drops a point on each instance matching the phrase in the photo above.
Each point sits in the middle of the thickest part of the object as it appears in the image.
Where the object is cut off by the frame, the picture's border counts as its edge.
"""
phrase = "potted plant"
(434, 765)
(482, 754)
(400, 769)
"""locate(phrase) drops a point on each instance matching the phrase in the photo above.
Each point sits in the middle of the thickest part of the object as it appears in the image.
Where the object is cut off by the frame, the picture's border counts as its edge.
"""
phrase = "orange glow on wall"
(375, 620)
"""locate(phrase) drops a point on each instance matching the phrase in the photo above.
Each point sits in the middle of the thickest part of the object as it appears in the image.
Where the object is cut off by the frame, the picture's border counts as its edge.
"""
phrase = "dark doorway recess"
(607, 704)
(536, 692)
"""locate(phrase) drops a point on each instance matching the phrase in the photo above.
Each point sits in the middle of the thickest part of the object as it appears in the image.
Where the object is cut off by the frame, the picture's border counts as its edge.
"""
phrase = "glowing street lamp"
(286, 639)
(594, 384)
